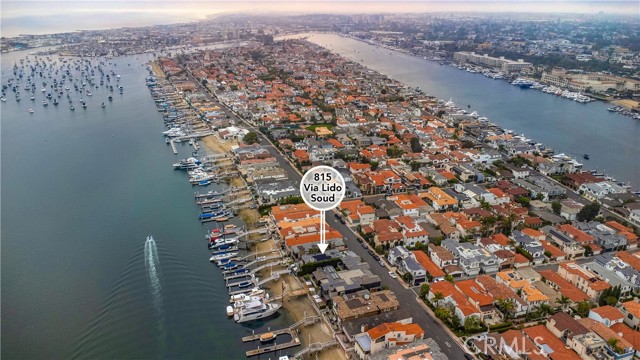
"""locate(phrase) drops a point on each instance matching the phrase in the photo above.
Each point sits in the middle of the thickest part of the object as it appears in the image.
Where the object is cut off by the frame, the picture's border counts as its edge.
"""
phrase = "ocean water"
(567, 126)
(81, 191)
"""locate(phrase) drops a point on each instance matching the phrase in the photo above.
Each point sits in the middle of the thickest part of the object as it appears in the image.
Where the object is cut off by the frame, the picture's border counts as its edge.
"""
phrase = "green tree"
(507, 306)
(450, 278)
(415, 145)
(437, 297)
(380, 249)
(454, 321)
(394, 152)
(613, 344)
(250, 138)
(583, 308)
(408, 277)
(588, 212)
(556, 207)
(424, 290)
(563, 301)
(544, 310)
(443, 313)
(611, 300)
(472, 324)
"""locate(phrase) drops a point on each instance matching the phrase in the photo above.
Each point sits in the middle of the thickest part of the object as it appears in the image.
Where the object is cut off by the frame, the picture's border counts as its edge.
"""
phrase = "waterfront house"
(386, 336)
(363, 304)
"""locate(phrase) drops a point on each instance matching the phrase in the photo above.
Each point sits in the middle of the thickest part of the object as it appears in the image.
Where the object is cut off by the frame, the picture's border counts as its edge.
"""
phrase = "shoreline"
(305, 37)
(295, 308)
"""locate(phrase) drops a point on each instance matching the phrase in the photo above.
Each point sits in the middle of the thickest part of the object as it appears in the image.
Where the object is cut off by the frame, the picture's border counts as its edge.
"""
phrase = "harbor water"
(81, 191)
(569, 127)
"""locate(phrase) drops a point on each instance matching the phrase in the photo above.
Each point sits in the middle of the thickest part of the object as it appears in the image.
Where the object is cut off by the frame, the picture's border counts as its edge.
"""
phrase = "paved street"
(406, 297)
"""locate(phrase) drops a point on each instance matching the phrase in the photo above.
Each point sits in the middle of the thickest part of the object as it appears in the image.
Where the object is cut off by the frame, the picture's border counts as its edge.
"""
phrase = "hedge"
(308, 268)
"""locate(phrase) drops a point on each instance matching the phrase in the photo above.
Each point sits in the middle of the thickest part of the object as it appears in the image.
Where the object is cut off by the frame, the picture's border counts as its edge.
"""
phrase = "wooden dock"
(295, 341)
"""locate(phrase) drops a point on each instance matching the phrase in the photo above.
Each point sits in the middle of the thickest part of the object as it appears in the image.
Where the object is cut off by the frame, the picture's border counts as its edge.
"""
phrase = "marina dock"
(291, 330)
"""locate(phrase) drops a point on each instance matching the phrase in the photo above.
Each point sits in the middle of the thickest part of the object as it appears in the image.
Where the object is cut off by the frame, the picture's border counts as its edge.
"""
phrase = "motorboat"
(243, 297)
(223, 256)
(256, 310)
(187, 164)
(266, 337)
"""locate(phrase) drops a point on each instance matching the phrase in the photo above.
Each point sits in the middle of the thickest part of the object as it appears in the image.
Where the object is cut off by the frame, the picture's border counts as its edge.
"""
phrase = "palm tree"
(507, 306)
(563, 301)
(544, 310)
(437, 297)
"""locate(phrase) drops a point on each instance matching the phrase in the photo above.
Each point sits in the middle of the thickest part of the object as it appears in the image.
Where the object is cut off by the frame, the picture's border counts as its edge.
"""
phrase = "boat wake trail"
(151, 262)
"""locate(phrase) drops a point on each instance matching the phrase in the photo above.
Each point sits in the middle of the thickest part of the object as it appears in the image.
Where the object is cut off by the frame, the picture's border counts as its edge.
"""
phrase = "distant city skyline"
(51, 16)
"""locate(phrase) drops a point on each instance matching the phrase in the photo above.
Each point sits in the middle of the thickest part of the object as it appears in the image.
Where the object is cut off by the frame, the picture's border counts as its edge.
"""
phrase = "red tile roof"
(427, 264)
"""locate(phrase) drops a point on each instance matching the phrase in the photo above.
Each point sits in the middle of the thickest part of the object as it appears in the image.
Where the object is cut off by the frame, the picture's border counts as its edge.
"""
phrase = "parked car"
(364, 244)
(381, 263)
(392, 274)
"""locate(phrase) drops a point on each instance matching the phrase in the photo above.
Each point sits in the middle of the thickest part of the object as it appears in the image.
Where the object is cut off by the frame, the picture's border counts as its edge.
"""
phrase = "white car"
(392, 274)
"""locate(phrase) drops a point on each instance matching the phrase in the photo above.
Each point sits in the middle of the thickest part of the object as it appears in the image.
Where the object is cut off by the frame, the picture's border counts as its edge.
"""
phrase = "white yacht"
(224, 256)
(256, 310)
(242, 297)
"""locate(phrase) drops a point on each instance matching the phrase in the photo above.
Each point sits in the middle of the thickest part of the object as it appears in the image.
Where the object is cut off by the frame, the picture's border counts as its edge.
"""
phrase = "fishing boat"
(30, 111)
(72, 108)
(45, 103)
(245, 284)
(585, 156)
(266, 337)
(103, 105)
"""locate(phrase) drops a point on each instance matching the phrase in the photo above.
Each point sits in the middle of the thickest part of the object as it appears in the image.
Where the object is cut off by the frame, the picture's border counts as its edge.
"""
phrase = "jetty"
(274, 276)
(314, 348)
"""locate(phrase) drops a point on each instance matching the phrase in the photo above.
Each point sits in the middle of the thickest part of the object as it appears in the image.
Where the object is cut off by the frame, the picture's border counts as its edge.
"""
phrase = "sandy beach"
(297, 306)
(629, 104)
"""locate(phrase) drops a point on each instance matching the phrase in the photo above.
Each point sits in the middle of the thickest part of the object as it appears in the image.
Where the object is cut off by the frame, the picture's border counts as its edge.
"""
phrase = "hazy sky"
(46, 16)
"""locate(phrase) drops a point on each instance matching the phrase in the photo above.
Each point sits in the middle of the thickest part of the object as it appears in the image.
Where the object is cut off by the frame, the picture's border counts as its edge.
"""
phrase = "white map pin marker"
(322, 188)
